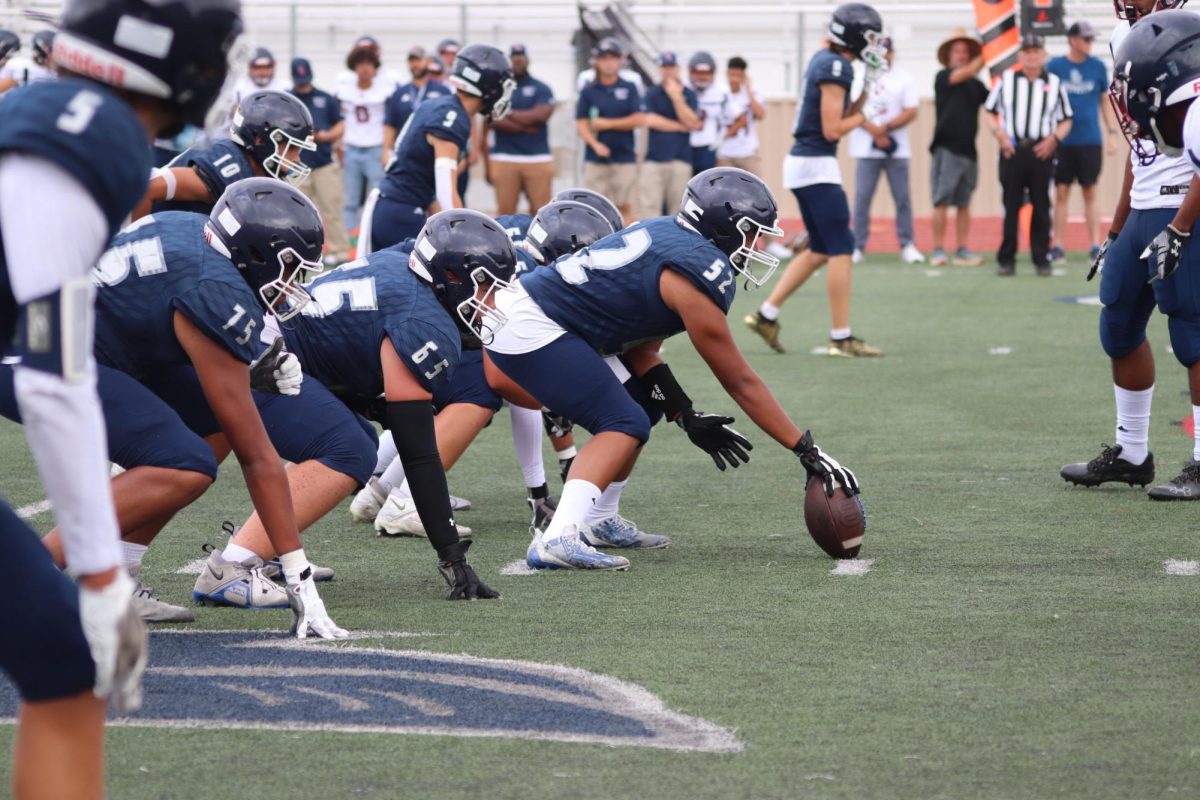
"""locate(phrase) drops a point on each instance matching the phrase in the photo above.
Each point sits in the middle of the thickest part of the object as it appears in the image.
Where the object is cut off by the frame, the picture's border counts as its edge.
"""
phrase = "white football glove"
(116, 637)
(276, 371)
(308, 608)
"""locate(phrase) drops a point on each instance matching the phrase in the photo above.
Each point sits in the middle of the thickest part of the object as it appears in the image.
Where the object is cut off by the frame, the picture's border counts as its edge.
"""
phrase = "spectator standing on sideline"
(1085, 79)
(881, 145)
(362, 107)
(447, 51)
(349, 77)
(324, 184)
(743, 111)
(608, 111)
(260, 75)
(702, 74)
(408, 97)
(670, 117)
(518, 159)
(1031, 116)
(588, 75)
(954, 172)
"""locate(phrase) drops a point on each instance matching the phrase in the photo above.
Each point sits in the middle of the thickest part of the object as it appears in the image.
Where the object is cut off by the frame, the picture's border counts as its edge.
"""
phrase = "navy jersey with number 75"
(355, 307)
(608, 293)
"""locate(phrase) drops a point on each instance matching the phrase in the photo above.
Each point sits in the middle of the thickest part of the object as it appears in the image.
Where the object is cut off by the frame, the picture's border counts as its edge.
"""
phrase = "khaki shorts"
(662, 184)
(615, 181)
(511, 178)
(752, 164)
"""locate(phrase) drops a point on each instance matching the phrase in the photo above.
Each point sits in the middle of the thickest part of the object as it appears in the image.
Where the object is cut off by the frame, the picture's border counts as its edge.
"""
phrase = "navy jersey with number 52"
(358, 305)
(608, 293)
(410, 178)
(219, 164)
(157, 266)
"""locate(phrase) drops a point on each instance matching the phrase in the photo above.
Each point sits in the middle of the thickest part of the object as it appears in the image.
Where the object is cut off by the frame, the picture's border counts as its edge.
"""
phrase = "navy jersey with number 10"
(608, 294)
(220, 164)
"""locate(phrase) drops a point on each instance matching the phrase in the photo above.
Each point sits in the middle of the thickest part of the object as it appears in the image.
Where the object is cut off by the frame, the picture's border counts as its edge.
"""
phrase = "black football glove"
(710, 432)
(1167, 251)
(819, 465)
(556, 425)
(276, 371)
(1098, 261)
(463, 582)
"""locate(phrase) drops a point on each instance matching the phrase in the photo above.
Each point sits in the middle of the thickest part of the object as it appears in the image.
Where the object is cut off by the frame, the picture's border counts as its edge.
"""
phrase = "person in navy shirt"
(409, 96)
(1085, 79)
(324, 185)
(517, 156)
(607, 113)
(671, 116)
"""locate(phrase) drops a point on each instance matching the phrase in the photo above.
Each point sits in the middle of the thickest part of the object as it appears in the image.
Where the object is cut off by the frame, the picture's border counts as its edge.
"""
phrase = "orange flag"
(997, 24)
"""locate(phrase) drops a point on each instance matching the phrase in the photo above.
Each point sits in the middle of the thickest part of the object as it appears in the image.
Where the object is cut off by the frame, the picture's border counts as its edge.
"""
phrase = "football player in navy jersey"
(268, 132)
(74, 159)
(624, 295)
(811, 171)
(434, 141)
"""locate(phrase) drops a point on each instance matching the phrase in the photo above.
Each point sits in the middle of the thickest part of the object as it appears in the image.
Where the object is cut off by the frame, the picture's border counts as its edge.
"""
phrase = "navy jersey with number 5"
(409, 178)
(608, 293)
(157, 266)
(87, 131)
(219, 164)
(825, 67)
(355, 307)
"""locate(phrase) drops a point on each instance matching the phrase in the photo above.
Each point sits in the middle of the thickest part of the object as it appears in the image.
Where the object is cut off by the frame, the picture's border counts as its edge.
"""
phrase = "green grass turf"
(1016, 638)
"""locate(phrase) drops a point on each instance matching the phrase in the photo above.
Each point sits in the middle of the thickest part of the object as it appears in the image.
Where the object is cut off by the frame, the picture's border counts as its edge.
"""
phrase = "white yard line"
(518, 568)
(33, 509)
(1173, 567)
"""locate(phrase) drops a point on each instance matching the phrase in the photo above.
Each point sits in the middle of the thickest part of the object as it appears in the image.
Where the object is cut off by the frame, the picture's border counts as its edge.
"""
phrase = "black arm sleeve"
(411, 424)
(666, 391)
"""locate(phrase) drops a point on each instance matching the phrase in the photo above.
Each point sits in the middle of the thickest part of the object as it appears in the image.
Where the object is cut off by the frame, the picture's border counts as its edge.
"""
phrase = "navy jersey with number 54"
(157, 266)
(410, 178)
(608, 293)
(358, 305)
(219, 164)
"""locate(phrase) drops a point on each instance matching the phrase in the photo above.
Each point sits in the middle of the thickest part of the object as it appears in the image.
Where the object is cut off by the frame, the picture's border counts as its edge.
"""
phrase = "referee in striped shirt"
(1030, 116)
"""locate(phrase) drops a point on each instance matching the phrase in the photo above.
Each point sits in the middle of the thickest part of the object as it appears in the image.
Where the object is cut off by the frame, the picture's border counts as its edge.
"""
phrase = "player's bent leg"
(1181, 295)
(59, 749)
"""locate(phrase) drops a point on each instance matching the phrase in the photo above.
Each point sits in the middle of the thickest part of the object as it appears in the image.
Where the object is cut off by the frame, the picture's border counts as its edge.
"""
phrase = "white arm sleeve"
(54, 233)
(443, 176)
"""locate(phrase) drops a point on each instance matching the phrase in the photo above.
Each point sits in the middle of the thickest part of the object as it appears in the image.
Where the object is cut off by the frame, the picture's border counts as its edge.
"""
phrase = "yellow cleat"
(852, 347)
(768, 330)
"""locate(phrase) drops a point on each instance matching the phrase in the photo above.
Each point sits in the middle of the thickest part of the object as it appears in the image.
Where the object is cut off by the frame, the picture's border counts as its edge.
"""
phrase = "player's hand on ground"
(712, 434)
(116, 637)
(308, 610)
(463, 582)
(276, 371)
(1098, 261)
(821, 465)
(1167, 251)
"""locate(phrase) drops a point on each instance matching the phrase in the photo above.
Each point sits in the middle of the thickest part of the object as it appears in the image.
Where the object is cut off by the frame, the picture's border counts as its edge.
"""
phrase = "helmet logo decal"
(143, 37)
(470, 73)
(229, 222)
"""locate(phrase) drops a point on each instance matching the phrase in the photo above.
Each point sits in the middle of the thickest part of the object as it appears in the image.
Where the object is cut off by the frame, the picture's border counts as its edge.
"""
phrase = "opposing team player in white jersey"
(1156, 183)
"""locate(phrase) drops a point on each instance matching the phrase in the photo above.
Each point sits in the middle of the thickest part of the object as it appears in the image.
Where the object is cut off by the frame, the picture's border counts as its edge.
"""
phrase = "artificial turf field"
(1014, 638)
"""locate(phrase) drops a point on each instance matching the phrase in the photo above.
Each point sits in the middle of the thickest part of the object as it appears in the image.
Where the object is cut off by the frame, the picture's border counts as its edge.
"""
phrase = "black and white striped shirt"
(1029, 109)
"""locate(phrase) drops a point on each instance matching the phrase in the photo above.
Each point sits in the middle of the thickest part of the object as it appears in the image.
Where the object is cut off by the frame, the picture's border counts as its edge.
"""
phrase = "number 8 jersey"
(608, 294)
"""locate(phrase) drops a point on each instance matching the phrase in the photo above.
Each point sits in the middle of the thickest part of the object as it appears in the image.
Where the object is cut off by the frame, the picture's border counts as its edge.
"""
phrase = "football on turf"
(835, 523)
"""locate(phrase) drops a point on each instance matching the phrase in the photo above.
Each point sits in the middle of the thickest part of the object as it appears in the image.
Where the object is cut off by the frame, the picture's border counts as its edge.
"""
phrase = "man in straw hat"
(958, 95)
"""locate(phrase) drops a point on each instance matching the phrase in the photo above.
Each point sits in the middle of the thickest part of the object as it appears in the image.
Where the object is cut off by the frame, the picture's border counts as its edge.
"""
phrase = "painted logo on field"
(1079, 299)
(236, 680)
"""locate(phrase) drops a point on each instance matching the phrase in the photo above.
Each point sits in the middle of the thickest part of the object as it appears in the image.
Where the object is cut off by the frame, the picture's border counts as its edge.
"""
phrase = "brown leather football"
(835, 523)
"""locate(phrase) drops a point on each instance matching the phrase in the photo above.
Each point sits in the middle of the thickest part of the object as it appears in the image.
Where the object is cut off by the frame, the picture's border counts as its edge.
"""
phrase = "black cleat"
(1185, 487)
(1109, 467)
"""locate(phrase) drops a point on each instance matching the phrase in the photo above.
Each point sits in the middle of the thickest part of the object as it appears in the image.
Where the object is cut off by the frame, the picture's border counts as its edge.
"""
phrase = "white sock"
(1133, 423)
(402, 491)
(527, 440)
(385, 454)
(608, 504)
(392, 477)
(132, 554)
(769, 312)
(1196, 433)
(578, 498)
(839, 333)
(237, 554)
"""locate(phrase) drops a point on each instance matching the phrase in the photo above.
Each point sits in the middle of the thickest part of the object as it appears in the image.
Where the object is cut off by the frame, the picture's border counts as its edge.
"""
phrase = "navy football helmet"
(859, 28)
(173, 50)
(267, 125)
(563, 226)
(10, 43)
(733, 209)
(458, 253)
(597, 201)
(274, 235)
(1128, 9)
(484, 71)
(43, 46)
(1156, 67)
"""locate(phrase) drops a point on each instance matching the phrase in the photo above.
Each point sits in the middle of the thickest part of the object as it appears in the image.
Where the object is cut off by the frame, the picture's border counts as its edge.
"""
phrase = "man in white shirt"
(743, 112)
(713, 98)
(362, 101)
(881, 146)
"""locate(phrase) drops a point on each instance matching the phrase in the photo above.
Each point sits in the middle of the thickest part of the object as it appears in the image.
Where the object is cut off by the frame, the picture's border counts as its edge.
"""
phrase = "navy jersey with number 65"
(219, 164)
(157, 266)
(410, 178)
(358, 305)
(608, 293)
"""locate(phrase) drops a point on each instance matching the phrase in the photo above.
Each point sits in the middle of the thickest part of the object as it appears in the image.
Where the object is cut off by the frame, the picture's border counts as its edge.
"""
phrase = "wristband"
(666, 391)
(295, 566)
(168, 177)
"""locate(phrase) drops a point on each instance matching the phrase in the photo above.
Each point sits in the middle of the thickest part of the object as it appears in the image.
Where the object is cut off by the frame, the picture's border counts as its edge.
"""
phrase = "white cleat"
(459, 503)
(151, 608)
(366, 504)
(857, 256)
(227, 583)
(911, 255)
(399, 517)
(569, 551)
